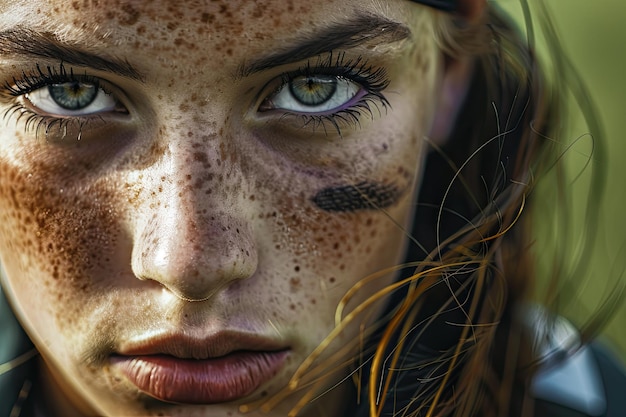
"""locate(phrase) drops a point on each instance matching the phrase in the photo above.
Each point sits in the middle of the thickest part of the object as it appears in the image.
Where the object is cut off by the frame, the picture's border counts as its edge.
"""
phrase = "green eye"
(315, 94)
(73, 95)
(71, 98)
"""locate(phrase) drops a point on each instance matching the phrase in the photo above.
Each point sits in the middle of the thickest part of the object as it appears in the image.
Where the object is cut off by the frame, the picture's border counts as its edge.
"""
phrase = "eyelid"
(42, 76)
(60, 72)
(371, 79)
(20, 110)
(338, 64)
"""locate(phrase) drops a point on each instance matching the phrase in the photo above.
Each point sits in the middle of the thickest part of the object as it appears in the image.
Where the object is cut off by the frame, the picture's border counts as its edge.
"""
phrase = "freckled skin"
(196, 213)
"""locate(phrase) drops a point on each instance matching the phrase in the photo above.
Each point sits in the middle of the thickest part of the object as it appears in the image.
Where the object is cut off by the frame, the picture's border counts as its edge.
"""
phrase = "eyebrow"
(343, 35)
(26, 42)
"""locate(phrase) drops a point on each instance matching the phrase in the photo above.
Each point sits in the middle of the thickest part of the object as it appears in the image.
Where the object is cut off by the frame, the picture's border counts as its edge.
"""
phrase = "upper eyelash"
(39, 78)
(357, 70)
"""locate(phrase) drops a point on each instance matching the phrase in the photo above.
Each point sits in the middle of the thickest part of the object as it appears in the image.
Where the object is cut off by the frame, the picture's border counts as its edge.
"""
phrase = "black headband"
(447, 5)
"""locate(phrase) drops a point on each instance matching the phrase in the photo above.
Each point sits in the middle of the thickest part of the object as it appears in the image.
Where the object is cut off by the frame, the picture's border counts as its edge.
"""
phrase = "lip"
(180, 369)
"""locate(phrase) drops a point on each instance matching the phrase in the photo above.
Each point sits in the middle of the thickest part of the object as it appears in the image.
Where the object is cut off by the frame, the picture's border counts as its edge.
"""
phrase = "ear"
(458, 73)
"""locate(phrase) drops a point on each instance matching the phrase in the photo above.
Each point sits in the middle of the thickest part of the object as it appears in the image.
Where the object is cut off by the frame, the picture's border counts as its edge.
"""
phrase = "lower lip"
(207, 381)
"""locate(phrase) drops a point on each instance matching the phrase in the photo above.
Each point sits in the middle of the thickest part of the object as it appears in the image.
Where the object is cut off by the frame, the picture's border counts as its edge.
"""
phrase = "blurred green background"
(593, 35)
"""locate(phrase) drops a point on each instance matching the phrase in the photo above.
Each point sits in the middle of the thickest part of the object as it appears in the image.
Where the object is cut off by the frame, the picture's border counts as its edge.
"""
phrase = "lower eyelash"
(47, 125)
(350, 116)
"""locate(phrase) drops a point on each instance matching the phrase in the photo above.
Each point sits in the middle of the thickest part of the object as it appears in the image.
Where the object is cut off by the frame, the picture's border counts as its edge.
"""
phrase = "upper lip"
(185, 346)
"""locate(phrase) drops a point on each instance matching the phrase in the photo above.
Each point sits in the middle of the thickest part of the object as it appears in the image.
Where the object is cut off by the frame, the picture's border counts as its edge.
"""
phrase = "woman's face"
(187, 189)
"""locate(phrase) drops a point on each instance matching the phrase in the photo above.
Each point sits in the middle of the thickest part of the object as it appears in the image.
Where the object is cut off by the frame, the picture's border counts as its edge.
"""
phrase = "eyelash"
(372, 80)
(40, 78)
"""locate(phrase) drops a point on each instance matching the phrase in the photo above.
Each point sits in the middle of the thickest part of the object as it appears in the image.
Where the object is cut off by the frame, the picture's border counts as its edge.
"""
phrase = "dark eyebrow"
(344, 35)
(26, 42)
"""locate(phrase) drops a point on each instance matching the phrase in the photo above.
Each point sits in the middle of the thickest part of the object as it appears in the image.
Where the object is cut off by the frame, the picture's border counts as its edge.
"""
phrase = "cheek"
(57, 238)
(322, 234)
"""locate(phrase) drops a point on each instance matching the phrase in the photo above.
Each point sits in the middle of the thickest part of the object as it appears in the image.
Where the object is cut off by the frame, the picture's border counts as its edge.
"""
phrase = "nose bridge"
(195, 239)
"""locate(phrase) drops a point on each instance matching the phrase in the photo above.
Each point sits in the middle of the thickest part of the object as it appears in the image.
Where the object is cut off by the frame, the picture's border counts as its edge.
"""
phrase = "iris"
(73, 95)
(313, 90)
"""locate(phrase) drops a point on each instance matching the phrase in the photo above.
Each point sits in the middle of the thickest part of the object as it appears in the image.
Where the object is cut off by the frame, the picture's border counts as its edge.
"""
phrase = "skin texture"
(193, 211)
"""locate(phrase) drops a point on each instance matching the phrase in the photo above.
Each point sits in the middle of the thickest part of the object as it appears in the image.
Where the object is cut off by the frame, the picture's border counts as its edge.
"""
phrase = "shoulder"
(16, 366)
(574, 380)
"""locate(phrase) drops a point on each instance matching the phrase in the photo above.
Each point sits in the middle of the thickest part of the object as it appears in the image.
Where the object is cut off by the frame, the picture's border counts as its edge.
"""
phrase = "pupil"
(73, 95)
(313, 90)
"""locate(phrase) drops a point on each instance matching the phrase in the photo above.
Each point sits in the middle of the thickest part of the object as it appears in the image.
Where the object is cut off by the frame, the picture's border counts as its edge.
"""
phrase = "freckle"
(207, 17)
(130, 17)
(332, 280)
(141, 29)
(313, 301)
(292, 306)
(297, 268)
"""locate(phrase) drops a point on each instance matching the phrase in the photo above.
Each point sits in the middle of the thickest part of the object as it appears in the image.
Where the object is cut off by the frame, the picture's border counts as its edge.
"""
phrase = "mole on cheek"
(361, 196)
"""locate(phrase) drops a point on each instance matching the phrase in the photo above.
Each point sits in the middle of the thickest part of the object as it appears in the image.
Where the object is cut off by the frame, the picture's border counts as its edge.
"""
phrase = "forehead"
(217, 36)
(210, 35)
(233, 20)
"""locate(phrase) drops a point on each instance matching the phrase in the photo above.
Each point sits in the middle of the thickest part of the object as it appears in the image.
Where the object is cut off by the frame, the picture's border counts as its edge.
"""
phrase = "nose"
(191, 237)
